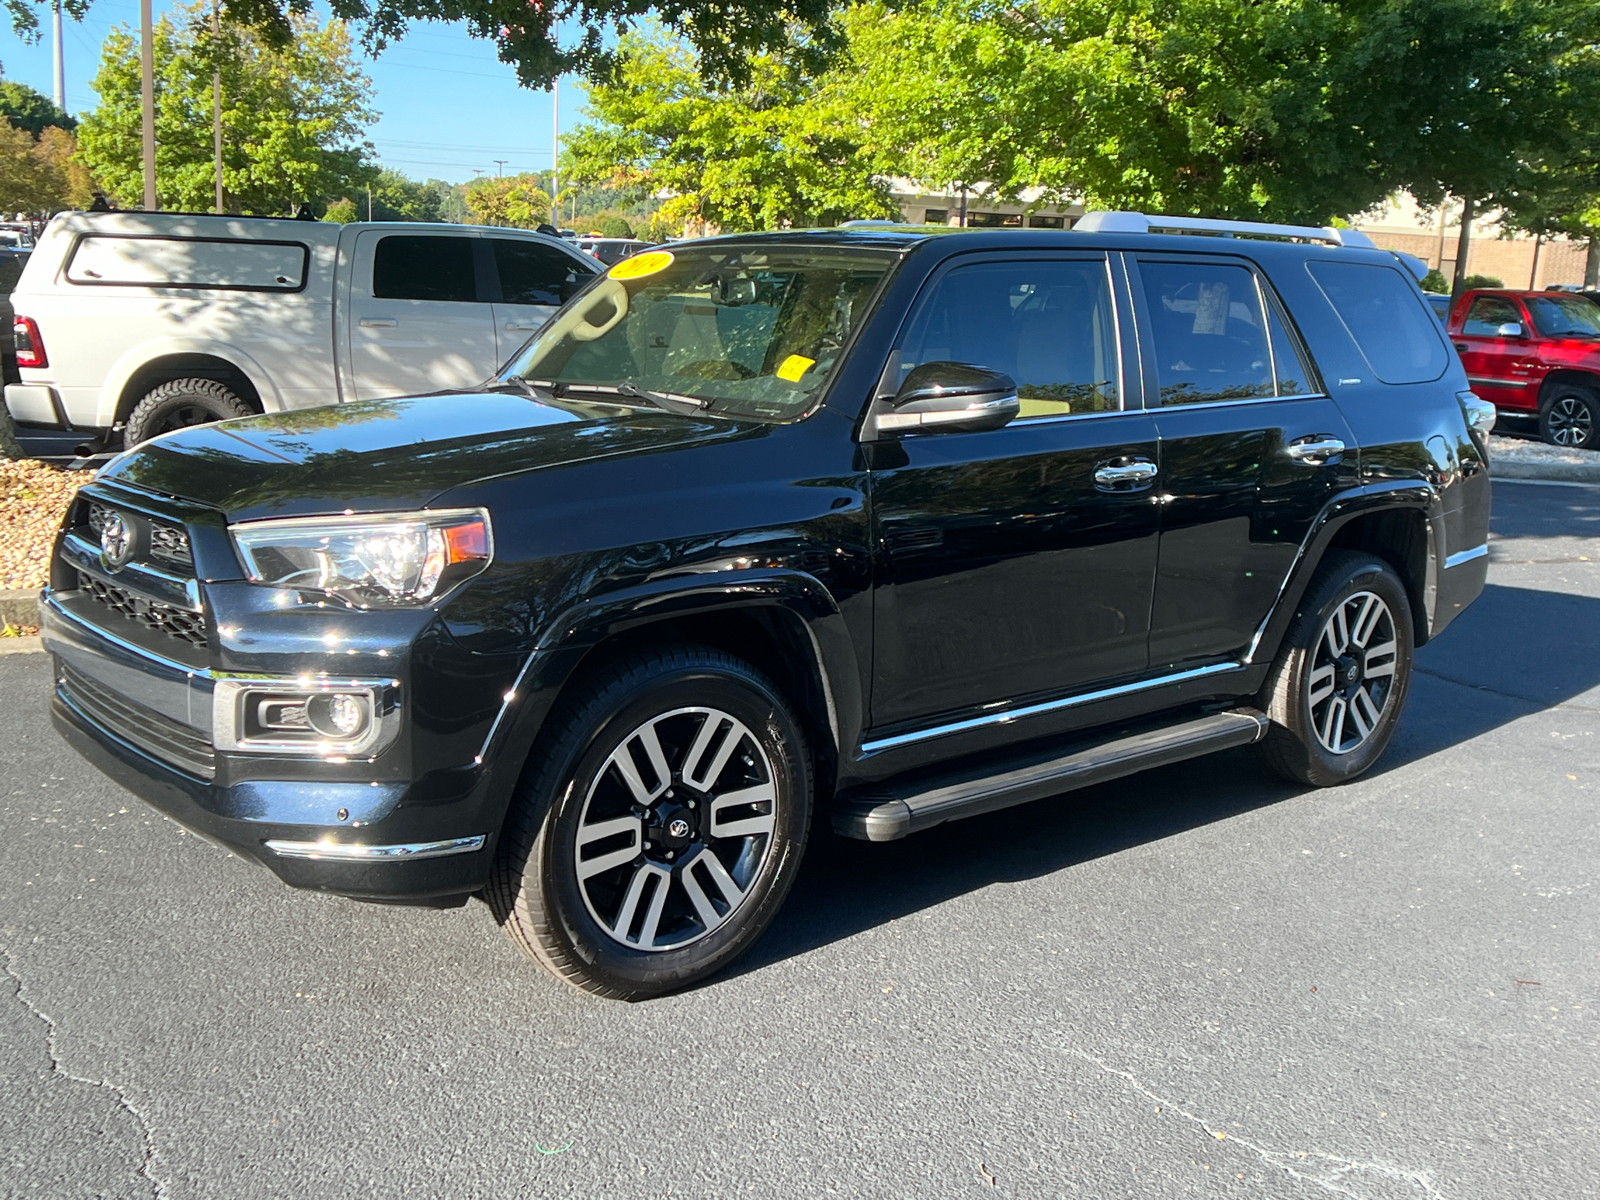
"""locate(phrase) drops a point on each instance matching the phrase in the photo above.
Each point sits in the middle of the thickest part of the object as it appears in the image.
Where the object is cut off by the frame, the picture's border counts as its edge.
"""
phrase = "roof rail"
(1134, 222)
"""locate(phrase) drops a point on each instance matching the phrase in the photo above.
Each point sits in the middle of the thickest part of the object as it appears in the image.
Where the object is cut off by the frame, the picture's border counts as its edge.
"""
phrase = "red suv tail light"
(30, 346)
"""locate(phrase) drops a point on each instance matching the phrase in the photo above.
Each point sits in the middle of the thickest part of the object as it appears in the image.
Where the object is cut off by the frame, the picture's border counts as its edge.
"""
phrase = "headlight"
(380, 561)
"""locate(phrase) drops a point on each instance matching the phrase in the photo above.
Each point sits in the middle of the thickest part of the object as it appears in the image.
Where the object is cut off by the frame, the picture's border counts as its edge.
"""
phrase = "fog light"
(340, 715)
(352, 717)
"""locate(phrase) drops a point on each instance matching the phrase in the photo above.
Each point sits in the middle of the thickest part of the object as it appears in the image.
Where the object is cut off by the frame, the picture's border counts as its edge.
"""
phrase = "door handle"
(1461, 347)
(522, 328)
(1124, 475)
(1317, 449)
(378, 322)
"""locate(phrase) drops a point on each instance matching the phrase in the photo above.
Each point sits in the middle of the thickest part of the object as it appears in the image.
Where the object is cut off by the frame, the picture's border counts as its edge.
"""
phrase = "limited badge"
(641, 265)
(794, 366)
(116, 542)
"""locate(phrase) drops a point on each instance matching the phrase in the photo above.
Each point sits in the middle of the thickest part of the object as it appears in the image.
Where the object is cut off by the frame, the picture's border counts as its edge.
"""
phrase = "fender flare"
(146, 353)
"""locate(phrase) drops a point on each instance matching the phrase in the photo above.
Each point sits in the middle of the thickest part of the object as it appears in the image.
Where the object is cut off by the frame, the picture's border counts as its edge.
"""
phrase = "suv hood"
(391, 455)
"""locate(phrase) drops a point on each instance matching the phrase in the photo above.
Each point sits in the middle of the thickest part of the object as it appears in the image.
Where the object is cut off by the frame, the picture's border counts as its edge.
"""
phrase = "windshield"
(747, 330)
(1564, 316)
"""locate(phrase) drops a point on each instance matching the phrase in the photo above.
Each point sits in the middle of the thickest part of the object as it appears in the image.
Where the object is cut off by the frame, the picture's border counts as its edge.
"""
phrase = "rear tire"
(658, 826)
(180, 404)
(1336, 689)
(1569, 417)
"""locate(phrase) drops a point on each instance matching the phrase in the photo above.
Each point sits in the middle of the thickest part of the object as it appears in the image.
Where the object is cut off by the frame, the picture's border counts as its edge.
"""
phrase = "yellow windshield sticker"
(641, 265)
(795, 366)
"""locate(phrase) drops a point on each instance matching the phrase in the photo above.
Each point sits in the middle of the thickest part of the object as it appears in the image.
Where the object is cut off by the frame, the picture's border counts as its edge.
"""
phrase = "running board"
(891, 811)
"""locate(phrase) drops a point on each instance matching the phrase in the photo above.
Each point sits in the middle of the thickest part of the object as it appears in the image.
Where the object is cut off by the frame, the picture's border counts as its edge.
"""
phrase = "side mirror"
(1509, 329)
(958, 397)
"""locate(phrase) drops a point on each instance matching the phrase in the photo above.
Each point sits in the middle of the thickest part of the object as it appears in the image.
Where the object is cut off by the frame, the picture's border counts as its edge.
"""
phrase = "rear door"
(420, 314)
(535, 279)
(1017, 562)
(1501, 369)
(1250, 451)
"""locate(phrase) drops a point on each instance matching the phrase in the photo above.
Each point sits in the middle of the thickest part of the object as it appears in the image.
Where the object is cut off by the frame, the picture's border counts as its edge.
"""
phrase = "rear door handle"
(378, 322)
(1317, 449)
(1461, 347)
(1124, 475)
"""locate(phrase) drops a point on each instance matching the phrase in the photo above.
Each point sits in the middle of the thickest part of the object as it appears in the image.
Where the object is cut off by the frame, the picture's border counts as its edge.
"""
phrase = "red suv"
(1534, 354)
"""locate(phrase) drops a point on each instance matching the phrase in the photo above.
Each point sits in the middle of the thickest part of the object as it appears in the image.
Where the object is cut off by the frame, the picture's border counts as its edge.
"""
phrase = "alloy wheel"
(675, 828)
(1352, 674)
(1571, 421)
(187, 416)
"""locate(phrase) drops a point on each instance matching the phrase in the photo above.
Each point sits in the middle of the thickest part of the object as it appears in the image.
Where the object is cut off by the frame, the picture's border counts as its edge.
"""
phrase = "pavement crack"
(158, 1187)
(1330, 1172)
(1479, 687)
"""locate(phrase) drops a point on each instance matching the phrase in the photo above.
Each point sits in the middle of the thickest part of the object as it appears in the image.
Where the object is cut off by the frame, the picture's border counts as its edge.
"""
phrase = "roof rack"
(1135, 222)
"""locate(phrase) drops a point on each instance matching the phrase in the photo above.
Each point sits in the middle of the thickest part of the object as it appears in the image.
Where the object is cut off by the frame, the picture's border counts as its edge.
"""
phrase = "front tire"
(1569, 417)
(179, 404)
(1336, 689)
(659, 825)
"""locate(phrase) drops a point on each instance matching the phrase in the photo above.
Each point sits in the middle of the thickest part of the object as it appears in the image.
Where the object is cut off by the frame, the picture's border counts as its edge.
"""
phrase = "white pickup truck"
(132, 324)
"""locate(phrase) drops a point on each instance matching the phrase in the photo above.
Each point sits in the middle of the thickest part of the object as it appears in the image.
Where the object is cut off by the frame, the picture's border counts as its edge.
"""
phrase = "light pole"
(147, 101)
(216, 100)
(555, 155)
(60, 96)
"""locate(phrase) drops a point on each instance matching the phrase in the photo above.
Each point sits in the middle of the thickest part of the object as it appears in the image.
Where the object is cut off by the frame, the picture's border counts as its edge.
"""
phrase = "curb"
(1555, 472)
(19, 607)
(21, 645)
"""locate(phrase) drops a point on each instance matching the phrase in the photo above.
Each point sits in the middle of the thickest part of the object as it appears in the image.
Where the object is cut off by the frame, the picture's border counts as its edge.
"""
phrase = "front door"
(1017, 562)
(1501, 369)
(416, 320)
(1250, 452)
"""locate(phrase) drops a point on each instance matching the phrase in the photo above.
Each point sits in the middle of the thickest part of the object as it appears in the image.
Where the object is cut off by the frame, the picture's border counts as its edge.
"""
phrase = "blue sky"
(449, 105)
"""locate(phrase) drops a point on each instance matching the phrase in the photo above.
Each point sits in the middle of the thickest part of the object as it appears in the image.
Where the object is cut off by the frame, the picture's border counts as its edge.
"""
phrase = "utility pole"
(499, 166)
(216, 100)
(555, 155)
(369, 204)
(147, 98)
(60, 96)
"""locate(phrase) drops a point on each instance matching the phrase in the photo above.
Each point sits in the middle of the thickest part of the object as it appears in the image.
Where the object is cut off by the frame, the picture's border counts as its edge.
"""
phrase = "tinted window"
(189, 263)
(535, 274)
(1049, 325)
(1210, 332)
(1289, 365)
(1487, 314)
(11, 270)
(1386, 316)
(424, 268)
(1564, 316)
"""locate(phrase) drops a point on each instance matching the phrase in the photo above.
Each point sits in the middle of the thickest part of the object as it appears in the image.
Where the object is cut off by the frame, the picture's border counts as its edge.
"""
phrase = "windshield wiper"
(683, 406)
(534, 391)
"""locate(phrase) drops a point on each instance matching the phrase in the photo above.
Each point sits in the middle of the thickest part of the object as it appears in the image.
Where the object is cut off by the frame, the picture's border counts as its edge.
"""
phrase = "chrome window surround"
(227, 720)
(356, 852)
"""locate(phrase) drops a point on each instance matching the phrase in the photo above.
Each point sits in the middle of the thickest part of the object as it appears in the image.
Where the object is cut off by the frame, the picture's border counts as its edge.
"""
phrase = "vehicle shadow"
(1514, 652)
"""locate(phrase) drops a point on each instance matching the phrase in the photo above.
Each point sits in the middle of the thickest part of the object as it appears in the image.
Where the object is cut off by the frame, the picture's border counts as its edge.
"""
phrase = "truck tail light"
(30, 346)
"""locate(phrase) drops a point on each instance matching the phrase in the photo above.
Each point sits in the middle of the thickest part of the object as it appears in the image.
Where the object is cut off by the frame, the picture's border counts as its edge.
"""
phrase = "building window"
(992, 220)
(936, 216)
(1040, 221)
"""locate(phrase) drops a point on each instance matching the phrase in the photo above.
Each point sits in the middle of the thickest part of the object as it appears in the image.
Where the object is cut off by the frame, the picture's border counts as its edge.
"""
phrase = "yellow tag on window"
(641, 265)
(795, 366)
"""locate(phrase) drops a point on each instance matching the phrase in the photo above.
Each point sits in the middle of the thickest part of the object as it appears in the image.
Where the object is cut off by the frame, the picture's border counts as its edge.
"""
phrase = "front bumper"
(146, 722)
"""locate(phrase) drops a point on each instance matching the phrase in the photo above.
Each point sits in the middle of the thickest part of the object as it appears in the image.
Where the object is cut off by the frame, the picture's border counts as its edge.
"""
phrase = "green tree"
(342, 211)
(397, 198)
(512, 200)
(291, 122)
(616, 227)
(28, 109)
(763, 155)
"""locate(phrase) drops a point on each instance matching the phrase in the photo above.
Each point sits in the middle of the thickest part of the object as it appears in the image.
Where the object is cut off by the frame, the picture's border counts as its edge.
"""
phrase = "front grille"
(171, 741)
(167, 542)
(152, 614)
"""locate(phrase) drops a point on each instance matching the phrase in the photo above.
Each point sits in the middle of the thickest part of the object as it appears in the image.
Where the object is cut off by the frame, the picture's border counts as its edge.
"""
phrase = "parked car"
(134, 324)
(612, 250)
(868, 529)
(11, 264)
(1440, 303)
(1535, 354)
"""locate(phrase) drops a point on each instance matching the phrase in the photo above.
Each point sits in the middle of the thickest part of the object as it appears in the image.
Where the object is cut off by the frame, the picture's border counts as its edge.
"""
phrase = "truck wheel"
(658, 826)
(1335, 691)
(1570, 416)
(179, 404)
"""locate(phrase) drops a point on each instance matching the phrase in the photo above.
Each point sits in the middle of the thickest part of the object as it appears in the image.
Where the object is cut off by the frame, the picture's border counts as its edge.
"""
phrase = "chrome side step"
(892, 811)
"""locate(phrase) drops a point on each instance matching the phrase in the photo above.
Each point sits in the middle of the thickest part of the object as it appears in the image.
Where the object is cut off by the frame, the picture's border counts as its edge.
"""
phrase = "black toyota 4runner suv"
(870, 529)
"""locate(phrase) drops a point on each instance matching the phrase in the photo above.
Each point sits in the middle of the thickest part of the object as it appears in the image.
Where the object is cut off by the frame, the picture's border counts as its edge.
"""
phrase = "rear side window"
(1487, 314)
(408, 267)
(1387, 317)
(189, 263)
(535, 274)
(1210, 332)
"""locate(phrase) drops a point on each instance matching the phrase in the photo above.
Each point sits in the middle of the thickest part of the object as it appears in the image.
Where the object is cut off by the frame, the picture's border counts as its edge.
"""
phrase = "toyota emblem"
(116, 542)
(679, 828)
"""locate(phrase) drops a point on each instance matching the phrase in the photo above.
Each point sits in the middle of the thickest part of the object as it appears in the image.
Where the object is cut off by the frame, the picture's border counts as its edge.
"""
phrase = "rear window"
(213, 263)
(408, 267)
(1386, 316)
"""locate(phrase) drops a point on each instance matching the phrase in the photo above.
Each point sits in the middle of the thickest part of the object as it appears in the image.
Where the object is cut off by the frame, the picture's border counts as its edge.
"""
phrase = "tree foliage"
(292, 116)
(31, 110)
(41, 176)
(762, 155)
(516, 201)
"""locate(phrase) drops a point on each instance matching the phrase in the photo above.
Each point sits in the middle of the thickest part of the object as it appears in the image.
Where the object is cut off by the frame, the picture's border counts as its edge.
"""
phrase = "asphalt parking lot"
(1195, 982)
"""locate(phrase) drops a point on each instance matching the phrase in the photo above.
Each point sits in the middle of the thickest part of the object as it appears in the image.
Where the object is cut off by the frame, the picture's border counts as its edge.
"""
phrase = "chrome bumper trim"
(353, 852)
(1005, 716)
(1466, 556)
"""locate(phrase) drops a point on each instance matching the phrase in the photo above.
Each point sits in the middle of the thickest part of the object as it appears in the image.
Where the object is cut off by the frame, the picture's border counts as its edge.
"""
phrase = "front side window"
(1564, 316)
(535, 274)
(1387, 318)
(1050, 325)
(748, 330)
(1210, 332)
(409, 267)
(1487, 314)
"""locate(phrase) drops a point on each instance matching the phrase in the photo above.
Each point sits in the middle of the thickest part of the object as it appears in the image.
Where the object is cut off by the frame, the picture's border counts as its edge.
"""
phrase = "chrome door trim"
(1466, 556)
(1486, 381)
(1006, 716)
